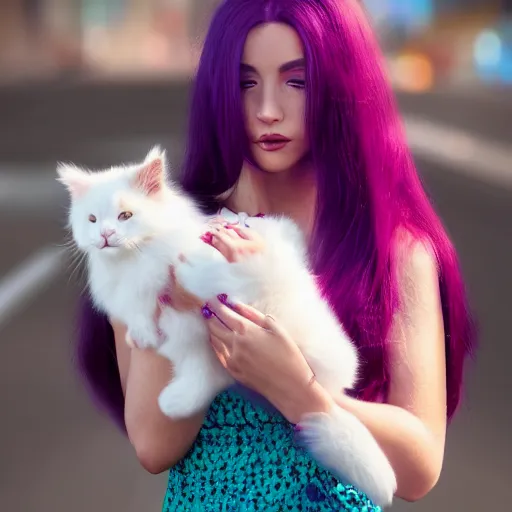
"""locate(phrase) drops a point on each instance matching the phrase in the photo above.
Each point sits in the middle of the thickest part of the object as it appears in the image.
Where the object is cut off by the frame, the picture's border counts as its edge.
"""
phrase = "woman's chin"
(275, 164)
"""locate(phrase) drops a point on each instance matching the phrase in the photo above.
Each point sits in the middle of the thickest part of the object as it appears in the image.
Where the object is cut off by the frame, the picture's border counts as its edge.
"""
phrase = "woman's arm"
(410, 427)
(158, 441)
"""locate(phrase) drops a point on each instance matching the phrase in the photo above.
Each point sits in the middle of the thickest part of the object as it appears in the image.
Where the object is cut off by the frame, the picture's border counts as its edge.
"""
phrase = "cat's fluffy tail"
(343, 445)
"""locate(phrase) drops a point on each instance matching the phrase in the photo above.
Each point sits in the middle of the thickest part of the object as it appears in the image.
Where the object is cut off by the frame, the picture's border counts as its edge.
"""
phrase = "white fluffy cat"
(133, 225)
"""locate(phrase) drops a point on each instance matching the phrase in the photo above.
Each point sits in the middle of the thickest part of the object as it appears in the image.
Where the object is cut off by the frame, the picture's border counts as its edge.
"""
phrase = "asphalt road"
(58, 453)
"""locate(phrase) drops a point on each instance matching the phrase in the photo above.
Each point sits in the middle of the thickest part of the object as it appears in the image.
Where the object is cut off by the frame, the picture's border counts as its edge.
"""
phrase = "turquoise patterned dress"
(246, 459)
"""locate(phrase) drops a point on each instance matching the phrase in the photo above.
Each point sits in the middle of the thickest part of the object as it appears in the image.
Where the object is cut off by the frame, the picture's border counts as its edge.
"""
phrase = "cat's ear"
(150, 177)
(74, 179)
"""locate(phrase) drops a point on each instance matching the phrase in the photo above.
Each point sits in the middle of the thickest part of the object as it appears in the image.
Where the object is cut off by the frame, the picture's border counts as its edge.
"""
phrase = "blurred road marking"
(28, 279)
(461, 151)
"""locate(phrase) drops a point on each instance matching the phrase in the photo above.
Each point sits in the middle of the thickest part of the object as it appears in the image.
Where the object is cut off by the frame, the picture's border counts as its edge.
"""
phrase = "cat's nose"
(105, 233)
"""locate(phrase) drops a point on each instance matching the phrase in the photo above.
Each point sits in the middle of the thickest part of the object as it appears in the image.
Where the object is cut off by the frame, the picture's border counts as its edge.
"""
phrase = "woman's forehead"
(275, 46)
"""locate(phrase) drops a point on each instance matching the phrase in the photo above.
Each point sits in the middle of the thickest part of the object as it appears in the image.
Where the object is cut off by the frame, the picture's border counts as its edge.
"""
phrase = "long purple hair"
(368, 186)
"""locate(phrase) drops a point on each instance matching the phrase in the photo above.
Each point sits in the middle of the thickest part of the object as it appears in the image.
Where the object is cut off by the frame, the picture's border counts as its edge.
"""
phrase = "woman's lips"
(272, 142)
(272, 146)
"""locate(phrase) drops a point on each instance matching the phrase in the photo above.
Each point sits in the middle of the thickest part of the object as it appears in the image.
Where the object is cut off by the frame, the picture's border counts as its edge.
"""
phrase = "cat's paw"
(143, 337)
(175, 403)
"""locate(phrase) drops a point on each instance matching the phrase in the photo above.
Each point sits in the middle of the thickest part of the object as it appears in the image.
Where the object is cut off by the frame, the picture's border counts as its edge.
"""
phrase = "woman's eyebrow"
(287, 66)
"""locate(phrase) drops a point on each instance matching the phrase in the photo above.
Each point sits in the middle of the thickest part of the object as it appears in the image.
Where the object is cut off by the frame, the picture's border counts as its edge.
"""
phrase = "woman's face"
(273, 81)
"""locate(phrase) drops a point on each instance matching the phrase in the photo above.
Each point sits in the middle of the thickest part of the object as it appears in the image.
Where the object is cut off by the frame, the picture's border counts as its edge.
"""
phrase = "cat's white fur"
(126, 280)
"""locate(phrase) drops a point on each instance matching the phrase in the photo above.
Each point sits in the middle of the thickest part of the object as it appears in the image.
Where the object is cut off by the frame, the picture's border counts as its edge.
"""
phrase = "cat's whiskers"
(124, 242)
(66, 245)
(72, 249)
(76, 264)
(130, 244)
(136, 246)
(85, 286)
(69, 241)
(76, 258)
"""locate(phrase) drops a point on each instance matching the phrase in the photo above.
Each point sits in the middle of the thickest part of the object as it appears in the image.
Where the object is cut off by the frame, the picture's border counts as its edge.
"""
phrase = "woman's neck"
(291, 193)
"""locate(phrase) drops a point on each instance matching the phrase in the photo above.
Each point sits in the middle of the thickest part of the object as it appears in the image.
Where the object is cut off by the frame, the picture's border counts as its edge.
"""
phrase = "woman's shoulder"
(416, 273)
(415, 255)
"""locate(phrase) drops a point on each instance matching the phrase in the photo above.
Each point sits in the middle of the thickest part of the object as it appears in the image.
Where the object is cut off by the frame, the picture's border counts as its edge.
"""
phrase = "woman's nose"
(270, 111)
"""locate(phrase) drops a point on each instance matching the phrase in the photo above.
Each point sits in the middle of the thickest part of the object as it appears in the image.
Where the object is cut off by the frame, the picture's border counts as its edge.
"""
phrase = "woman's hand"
(260, 354)
(252, 346)
(176, 296)
(233, 241)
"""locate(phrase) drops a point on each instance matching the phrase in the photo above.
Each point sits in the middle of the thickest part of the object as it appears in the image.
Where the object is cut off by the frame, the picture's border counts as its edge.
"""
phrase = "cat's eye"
(92, 218)
(125, 215)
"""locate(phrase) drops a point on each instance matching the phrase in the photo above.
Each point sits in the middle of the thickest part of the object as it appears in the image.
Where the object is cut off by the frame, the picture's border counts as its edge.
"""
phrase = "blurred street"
(57, 452)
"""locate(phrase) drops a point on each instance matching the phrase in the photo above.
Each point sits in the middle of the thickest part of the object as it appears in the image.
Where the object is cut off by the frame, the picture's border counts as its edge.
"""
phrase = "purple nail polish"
(297, 428)
(260, 215)
(165, 300)
(223, 299)
(206, 312)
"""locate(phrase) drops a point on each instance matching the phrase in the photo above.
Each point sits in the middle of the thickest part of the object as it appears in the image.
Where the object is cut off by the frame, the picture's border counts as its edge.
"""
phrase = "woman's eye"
(92, 218)
(296, 83)
(299, 84)
(247, 84)
(125, 215)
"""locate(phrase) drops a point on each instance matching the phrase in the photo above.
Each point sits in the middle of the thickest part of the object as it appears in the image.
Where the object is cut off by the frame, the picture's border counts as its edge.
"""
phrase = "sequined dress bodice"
(245, 458)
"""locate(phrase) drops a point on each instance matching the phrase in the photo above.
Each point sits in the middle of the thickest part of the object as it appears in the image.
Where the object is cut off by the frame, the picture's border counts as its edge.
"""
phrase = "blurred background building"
(99, 38)
(428, 42)
(98, 82)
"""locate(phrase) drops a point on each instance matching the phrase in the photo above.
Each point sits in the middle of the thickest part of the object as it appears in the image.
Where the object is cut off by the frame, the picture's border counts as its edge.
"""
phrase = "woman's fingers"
(267, 322)
(220, 349)
(242, 232)
(225, 244)
(226, 235)
(175, 296)
(229, 232)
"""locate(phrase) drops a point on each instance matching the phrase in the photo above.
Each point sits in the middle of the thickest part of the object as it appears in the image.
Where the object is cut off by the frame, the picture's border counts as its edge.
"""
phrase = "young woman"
(291, 113)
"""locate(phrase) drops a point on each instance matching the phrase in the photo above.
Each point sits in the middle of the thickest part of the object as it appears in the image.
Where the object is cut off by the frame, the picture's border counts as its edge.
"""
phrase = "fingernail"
(207, 238)
(297, 428)
(223, 299)
(206, 312)
(165, 300)
(260, 215)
